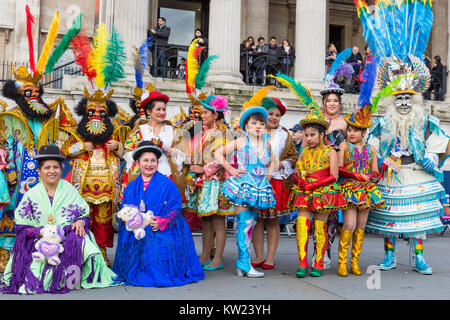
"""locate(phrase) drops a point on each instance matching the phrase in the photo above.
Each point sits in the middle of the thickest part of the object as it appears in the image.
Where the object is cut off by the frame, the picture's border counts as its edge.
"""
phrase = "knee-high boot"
(321, 246)
(344, 244)
(357, 243)
(303, 226)
(246, 220)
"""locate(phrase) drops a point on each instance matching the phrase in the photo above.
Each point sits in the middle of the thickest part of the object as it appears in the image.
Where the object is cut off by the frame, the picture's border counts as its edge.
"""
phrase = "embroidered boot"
(303, 226)
(321, 246)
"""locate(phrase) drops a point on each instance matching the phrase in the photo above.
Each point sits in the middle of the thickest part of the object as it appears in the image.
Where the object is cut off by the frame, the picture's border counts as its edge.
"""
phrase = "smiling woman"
(165, 256)
(53, 202)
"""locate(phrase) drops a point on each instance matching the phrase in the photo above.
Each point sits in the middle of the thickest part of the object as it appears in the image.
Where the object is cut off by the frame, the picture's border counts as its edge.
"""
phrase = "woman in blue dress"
(166, 256)
(248, 188)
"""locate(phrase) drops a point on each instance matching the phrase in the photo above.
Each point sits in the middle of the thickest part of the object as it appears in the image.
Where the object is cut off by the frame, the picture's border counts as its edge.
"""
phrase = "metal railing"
(256, 68)
(51, 80)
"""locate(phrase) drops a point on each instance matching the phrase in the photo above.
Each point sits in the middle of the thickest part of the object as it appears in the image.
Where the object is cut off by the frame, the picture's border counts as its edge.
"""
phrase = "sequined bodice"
(357, 161)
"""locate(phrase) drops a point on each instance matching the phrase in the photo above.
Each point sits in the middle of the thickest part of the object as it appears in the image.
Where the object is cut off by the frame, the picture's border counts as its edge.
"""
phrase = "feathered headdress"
(196, 76)
(399, 34)
(46, 62)
(254, 105)
(305, 97)
(103, 63)
(329, 85)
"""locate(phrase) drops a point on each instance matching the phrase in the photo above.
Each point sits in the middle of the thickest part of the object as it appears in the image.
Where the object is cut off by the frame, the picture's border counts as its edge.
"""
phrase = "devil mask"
(28, 98)
(96, 124)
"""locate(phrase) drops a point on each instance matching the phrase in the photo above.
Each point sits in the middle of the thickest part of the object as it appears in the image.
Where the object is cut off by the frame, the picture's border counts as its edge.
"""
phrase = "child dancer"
(358, 166)
(315, 190)
(249, 188)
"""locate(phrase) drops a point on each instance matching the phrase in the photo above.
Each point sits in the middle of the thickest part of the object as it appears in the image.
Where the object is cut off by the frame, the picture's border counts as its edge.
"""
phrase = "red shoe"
(268, 266)
(257, 265)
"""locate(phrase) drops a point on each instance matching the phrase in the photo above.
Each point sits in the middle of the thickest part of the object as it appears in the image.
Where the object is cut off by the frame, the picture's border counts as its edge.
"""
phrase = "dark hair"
(287, 41)
(316, 126)
(356, 128)
(40, 163)
(253, 40)
(261, 38)
(152, 104)
(255, 116)
(273, 37)
(324, 97)
(437, 58)
(198, 29)
(162, 18)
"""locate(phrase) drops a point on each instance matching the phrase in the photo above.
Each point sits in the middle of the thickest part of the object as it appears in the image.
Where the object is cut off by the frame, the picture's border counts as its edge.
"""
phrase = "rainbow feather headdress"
(196, 76)
(102, 63)
(48, 58)
(304, 95)
(399, 34)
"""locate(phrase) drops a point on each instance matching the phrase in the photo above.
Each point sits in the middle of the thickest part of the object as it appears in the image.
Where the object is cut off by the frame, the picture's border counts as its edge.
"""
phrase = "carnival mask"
(96, 114)
(403, 103)
(31, 95)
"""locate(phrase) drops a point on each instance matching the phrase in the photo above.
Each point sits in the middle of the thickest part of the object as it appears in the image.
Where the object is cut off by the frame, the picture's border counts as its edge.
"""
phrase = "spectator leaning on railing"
(262, 48)
(160, 36)
(288, 56)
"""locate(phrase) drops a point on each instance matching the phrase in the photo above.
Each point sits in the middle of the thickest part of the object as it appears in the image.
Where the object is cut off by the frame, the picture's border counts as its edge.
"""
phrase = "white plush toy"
(135, 220)
(49, 246)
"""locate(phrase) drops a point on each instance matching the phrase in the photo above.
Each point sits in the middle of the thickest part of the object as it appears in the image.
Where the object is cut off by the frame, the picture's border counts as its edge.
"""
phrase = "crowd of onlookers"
(260, 59)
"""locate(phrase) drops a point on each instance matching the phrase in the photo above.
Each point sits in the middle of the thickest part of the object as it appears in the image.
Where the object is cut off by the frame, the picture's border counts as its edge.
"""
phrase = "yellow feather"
(48, 45)
(192, 65)
(257, 97)
(97, 57)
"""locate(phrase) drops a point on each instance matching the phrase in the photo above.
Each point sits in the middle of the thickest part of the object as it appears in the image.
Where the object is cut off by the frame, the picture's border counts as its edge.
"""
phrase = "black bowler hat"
(49, 152)
(146, 146)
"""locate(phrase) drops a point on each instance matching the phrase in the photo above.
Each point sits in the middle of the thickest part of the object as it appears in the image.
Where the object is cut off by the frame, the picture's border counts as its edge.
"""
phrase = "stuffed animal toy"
(49, 246)
(135, 220)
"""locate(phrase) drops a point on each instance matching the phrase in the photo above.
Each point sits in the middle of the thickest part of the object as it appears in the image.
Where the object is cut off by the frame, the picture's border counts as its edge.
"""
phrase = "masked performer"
(407, 139)
(30, 124)
(94, 143)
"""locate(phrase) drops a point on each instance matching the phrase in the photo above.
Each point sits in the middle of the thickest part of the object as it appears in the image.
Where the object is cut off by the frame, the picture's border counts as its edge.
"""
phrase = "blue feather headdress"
(399, 34)
(329, 85)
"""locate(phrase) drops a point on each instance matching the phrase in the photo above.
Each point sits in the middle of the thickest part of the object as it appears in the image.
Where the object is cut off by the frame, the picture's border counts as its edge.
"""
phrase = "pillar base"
(225, 78)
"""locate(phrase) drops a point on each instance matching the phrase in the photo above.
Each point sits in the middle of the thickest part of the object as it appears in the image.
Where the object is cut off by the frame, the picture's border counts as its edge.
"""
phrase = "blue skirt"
(249, 191)
(162, 259)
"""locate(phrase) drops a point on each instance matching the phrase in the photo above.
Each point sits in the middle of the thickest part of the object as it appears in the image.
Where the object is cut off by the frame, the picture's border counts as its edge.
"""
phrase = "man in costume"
(408, 140)
(94, 143)
(29, 124)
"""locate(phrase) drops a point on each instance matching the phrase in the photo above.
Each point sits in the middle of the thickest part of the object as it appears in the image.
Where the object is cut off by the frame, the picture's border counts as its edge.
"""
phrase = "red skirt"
(281, 197)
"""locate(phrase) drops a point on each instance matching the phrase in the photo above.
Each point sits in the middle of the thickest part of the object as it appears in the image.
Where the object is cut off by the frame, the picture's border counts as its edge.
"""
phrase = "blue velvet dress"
(163, 258)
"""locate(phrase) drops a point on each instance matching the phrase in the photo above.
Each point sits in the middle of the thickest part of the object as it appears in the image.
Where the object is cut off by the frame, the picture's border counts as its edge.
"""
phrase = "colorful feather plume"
(30, 21)
(369, 75)
(48, 45)
(192, 65)
(140, 60)
(98, 54)
(339, 61)
(115, 59)
(296, 87)
(202, 75)
(64, 44)
(398, 29)
(82, 51)
(257, 98)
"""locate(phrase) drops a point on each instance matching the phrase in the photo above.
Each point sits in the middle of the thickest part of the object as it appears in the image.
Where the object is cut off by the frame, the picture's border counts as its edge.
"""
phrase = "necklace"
(259, 148)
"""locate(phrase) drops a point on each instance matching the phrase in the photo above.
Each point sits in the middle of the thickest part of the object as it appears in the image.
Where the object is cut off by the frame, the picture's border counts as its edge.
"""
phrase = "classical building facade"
(309, 25)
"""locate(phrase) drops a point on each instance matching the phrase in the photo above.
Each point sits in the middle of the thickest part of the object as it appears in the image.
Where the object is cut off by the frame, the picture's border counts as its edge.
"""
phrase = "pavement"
(281, 283)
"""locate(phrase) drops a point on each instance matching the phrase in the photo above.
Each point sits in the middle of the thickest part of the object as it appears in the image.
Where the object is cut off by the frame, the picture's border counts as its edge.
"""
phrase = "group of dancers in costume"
(382, 174)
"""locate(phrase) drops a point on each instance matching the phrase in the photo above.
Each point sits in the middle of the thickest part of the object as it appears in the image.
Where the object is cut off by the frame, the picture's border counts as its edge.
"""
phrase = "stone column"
(106, 14)
(21, 54)
(447, 95)
(310, 46)
(224, 33)
(258, 19)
